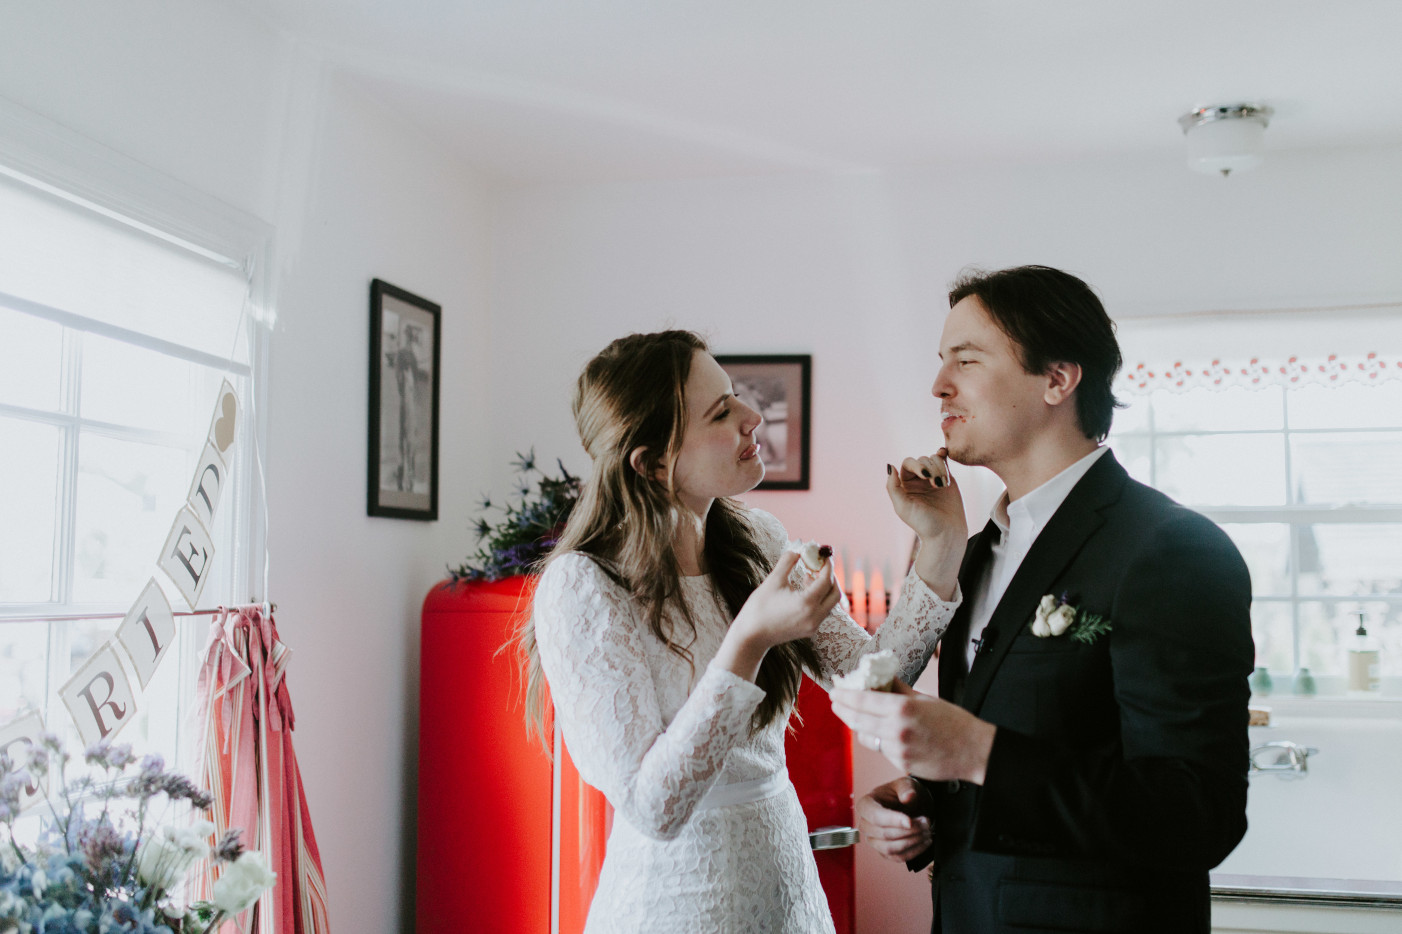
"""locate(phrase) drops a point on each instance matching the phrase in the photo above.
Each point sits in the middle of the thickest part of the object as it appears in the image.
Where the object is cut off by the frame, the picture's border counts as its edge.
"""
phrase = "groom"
(1084, 765)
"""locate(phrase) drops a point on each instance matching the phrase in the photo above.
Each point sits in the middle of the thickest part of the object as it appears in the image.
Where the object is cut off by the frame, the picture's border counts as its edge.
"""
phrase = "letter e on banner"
(207, 485)
(147, 631)
(16, 739)
(225, 424)
(99, 696)
(187, 555)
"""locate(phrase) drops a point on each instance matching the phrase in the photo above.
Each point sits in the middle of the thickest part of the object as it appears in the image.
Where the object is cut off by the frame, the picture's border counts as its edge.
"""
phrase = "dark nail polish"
(924, 473)
(939, 481)
(889, 470)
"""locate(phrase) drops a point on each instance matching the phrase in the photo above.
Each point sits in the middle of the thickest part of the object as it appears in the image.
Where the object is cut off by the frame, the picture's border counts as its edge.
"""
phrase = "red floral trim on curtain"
(1143, 378)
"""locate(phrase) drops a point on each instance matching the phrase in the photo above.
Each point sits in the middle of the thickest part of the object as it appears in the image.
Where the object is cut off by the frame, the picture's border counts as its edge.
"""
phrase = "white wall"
(855, 270)
(222, 103)
(851, 270)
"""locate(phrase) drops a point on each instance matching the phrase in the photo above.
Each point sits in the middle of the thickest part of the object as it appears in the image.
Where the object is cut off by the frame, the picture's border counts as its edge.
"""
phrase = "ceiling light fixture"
(1225, 139)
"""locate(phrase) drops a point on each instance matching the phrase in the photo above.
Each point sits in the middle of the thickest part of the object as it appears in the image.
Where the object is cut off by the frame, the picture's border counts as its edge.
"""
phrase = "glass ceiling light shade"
(1225, 139)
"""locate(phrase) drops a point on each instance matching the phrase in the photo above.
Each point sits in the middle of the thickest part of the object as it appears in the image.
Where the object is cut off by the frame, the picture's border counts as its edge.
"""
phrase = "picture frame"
(779, 387)
(402, 449)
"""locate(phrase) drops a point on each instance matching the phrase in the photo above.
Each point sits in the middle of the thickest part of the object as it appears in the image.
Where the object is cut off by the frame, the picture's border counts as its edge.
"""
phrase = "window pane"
(1134, 455)
(1346, 405)
(1271, 627)
(1348, 467)
(29, 466)
(128, 385)
(1223, 470)
(1135, 415)
(1351, 558)
(1265, 546)
(24, 649)
(128, 495)
(1326, 631)
(31, 371)
(1233, 409)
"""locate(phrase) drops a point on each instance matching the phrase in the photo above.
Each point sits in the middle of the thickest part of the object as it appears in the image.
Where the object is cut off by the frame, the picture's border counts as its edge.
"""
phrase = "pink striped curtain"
(248, 763)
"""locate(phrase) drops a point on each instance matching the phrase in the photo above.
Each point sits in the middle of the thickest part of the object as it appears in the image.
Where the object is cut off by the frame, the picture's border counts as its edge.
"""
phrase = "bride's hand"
(926, 497)
(775, 614)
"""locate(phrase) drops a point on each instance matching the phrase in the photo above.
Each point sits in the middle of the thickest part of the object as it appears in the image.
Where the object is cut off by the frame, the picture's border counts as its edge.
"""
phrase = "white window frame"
(45, 155)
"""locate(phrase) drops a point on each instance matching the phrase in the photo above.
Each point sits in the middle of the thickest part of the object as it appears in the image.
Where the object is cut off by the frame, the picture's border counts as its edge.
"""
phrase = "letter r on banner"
(99, 697)
(187, 555)
(147, 631)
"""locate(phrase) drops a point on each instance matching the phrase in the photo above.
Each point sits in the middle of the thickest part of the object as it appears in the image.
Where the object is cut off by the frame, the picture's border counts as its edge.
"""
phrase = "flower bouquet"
(102, 863)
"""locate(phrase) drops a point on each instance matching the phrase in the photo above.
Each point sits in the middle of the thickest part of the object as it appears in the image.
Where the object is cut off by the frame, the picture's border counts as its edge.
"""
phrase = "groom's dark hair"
(1053, 317)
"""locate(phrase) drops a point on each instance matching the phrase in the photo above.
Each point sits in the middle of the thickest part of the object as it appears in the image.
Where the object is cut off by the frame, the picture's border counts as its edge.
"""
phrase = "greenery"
(530, 523)
(103, 862)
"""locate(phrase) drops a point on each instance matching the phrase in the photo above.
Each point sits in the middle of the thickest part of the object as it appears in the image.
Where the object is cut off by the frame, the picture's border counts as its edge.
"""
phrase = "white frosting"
(808, 553)
(874, 672)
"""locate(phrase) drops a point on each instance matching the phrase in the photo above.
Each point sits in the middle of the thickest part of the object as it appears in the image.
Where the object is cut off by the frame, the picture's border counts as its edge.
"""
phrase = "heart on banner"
(226, 419)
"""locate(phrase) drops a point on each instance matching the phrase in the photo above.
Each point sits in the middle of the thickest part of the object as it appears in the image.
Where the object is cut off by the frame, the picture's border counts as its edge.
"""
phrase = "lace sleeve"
(593, 650)
(911, 630)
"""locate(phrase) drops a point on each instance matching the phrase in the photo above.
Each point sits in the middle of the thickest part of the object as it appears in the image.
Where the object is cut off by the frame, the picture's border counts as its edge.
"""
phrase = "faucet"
(1285, 759)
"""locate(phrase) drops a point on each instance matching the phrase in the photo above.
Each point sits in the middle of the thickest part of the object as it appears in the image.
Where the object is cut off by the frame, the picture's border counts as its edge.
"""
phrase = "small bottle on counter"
(1364, 662)
(1260, 682)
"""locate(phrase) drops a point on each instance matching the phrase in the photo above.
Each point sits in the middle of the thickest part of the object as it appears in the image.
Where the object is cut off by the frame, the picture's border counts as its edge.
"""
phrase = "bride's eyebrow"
(715, 405)
(962, 348)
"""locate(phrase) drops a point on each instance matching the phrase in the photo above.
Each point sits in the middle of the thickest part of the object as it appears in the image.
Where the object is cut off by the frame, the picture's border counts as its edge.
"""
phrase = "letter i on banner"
(147, 631)
(16, 739)
(99, 697)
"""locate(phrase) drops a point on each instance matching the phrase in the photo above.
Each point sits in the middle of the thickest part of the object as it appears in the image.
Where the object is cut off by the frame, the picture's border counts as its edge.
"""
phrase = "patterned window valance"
(1180, 376)
(1256, 349)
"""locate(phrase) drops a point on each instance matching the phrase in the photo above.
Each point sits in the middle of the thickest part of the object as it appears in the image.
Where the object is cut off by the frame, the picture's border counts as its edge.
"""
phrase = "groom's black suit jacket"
(1117, 777)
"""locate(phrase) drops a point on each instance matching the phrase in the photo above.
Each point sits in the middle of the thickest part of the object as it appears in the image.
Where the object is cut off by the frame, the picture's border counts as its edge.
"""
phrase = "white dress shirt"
(1019, 523)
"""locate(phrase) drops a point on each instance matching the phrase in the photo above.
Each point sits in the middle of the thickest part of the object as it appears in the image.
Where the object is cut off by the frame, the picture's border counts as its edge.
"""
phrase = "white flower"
(1045, 608)
(1040, 627)
(243, 881)
(164, 859)
(1061, 619)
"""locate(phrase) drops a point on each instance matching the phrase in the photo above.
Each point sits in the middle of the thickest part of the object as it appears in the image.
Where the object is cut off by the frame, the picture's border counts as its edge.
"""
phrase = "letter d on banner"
(99, 696)
(187, 555)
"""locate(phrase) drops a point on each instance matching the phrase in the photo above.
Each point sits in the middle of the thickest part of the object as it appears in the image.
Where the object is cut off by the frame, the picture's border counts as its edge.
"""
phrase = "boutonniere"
(1056, 616)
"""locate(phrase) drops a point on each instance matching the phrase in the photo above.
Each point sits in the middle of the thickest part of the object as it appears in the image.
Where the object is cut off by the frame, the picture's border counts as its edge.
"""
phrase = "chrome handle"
(833, 838)
(1282, 758)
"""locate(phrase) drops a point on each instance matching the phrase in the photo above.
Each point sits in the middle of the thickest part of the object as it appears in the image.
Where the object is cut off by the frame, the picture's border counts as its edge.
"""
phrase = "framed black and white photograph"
(405, 332)
(777, 386)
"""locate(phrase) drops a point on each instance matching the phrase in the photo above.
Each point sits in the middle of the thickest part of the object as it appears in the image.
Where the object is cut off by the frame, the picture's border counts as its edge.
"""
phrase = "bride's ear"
(637, 462)
(637, 459)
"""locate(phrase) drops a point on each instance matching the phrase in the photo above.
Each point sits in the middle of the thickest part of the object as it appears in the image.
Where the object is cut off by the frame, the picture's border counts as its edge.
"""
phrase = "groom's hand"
(921, 735)
(926, 498)
(892, 820)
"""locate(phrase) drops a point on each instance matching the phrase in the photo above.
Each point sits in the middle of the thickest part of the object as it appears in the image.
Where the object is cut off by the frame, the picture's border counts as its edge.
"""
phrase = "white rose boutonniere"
(1056, 616)
(243, 882)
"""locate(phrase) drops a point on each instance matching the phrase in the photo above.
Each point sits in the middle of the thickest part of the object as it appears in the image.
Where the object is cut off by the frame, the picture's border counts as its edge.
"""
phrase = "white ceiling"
(614, 89)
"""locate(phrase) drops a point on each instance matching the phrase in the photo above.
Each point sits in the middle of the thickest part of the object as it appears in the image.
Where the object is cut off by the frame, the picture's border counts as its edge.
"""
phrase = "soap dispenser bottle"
(1364, 662)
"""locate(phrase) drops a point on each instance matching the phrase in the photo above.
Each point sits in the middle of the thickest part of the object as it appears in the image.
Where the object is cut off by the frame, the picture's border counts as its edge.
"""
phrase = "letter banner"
(99, 697)
(187, 555)
(225, 423)
(207, 485)
(16, 739)
(147, 631)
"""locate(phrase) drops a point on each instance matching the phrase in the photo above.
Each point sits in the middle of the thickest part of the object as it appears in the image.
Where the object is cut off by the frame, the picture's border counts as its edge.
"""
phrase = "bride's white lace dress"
(671, 749)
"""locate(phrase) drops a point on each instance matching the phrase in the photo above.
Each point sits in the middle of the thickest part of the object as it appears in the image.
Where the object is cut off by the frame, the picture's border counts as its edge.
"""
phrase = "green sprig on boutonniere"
(1057, 617)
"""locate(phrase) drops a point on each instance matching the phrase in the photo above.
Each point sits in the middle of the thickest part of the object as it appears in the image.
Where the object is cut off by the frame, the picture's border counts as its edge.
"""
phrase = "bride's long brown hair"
(633, 395)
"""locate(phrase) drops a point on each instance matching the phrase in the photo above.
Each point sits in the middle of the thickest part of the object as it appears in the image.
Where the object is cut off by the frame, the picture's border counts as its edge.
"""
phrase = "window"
(1296, 456)
(125, 301)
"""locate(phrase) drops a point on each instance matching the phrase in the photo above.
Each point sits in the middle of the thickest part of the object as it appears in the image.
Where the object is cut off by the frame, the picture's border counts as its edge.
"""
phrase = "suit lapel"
(1073, 522)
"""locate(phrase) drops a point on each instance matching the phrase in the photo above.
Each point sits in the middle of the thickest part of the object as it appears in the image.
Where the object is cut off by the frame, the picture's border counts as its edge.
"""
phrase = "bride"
(673, 627)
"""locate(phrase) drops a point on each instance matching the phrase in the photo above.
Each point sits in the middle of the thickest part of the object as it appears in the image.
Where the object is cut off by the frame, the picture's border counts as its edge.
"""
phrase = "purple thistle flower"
(230, 846)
